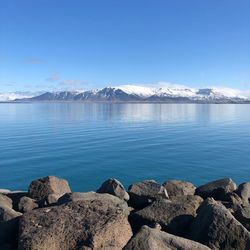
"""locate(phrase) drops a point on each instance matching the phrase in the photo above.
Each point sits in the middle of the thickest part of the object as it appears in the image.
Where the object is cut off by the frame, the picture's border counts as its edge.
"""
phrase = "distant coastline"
(138, 94)
(119, 102)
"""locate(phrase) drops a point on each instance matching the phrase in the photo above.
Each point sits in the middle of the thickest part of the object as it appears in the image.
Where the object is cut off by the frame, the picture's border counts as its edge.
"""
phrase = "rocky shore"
(149, 215)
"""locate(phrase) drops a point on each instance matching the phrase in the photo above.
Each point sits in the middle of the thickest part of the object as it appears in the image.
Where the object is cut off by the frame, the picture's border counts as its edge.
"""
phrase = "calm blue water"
(88, 143)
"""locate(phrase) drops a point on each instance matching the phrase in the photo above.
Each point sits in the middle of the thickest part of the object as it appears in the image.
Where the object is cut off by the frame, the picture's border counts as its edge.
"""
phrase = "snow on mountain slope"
(137, 90)
(219, 93)
(197, 94)
(176, 92)
(148, 91)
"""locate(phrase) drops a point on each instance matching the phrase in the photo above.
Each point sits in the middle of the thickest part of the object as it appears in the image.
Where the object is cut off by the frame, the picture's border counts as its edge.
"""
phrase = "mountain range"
(133, 93)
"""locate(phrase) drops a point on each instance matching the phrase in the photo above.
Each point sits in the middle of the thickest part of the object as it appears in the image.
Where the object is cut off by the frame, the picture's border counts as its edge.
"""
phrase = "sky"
(85, 44)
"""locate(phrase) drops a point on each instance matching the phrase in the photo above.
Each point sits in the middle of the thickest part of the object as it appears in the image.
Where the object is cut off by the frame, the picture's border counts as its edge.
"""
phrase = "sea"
(87, 143)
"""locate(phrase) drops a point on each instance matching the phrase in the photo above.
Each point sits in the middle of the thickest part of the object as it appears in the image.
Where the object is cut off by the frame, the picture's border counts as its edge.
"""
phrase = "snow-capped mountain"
(133, 93)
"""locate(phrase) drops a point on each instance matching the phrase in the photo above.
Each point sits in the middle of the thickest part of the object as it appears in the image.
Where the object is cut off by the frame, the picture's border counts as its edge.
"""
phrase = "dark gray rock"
(90, 196)
(114, 187)
(88, 224)
(47, 189)
(216, 227)
(232, 202)
(244, 191)
(26, 204)
(7, 247)
(154, 239)
(143, 193)
(179, 188)
(9, 232)
(242, 214)
(8, 221)
(216, 189)
(15, 196)
(173, 216)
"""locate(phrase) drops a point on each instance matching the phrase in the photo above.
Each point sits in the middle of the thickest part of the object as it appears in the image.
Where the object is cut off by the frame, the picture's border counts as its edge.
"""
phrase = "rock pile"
(149, 216)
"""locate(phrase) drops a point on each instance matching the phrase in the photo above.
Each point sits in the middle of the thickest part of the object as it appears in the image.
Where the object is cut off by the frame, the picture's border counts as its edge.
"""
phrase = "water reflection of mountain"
(139, 112)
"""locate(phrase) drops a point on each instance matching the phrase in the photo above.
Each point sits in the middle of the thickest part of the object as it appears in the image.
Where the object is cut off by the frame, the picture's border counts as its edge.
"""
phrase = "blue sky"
(67, 44)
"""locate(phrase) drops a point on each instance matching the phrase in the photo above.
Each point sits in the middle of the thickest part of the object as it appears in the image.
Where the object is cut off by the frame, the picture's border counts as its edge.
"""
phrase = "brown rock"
(26, 204)
(173, 216)
(43, 188)
(143, 193)
(6, 211)
(179, 188)
(154, 239)
(216, 227)
(244, 191)
(5, 201)
(90, 196)
(89, 224)
(216, 189)
(114, 187)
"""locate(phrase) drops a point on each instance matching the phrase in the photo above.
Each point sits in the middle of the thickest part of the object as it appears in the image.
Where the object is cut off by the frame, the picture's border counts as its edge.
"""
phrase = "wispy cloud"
(8, 84)
(71, 82)
(163, 84)
(35, 61)
(53, 78)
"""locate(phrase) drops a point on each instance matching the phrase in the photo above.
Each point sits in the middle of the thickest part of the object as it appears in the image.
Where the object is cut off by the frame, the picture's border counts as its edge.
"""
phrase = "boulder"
(26, 204)
(5, 201)
(173, 216)
(87, 224)
(216, 227)
(216, 189)
(6, 211)
(244, 191)
(143, 193)
(90, 196)
(15, 196)
(47, 188)
(232, 202)
(154, 239)
(114, 187)
(179, 188)
(242, 214)
(8, 221)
